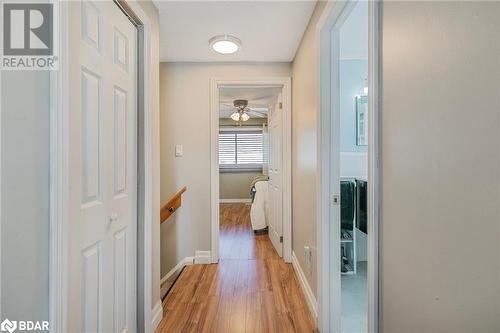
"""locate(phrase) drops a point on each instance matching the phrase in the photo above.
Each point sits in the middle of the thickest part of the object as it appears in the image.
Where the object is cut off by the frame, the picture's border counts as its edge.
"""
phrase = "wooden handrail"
(171, 206)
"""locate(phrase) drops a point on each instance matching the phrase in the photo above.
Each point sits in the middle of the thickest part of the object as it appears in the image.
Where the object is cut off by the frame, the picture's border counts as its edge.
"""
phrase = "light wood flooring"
(251, 289)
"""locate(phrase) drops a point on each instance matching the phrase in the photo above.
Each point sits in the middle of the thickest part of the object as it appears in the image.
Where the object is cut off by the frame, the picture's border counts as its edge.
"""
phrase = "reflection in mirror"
(361, 120)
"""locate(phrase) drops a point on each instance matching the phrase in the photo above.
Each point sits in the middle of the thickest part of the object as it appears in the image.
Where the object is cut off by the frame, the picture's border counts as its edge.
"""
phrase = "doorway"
(348, 127)
(251, 164)
(249, 169)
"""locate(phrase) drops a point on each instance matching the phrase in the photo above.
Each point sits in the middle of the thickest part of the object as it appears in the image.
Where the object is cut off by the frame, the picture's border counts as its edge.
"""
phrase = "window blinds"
(240, 149)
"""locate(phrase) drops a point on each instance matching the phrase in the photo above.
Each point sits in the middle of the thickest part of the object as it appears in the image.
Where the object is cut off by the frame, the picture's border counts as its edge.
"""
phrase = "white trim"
(1, 194)
(329, 290)
(214, 170)
(150, 150)
(306, 288)
(374, 175)
(181, 264)
(157, 315)
(59, 183)
(202, 257)
(235, 200)
(328, 255)
(286, 84)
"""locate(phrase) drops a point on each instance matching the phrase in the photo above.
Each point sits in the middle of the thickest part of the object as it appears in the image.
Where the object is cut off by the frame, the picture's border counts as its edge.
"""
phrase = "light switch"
(308, 257)
(178, 150)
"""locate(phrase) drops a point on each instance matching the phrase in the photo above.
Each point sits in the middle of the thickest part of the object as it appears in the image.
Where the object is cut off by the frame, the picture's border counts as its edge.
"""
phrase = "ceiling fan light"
(235, 116)
(245, 117)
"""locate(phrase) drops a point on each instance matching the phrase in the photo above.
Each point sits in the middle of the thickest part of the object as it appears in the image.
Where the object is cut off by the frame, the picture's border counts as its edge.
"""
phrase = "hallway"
(251, 289)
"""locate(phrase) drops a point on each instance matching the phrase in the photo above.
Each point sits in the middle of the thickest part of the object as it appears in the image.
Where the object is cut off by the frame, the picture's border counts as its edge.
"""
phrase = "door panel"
(120, 263)
(275, 176)
(91, 144)
(120, 141)
(91, 288)
(102, 170)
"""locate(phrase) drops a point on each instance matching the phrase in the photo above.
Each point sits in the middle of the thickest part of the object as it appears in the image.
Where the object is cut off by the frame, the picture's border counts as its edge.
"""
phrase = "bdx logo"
(28, 29)
(24, 325)
(8, 326)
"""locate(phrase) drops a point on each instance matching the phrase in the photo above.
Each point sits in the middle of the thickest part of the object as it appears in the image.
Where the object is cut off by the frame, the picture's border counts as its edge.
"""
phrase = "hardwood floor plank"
(251, 289)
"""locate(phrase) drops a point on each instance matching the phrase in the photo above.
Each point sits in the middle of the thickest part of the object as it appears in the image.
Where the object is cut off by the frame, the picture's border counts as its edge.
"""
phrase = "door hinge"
(281, 239)
(281, 105)
(336, 199)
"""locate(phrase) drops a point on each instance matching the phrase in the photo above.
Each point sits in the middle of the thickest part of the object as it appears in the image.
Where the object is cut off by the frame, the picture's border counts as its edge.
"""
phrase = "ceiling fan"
(241, 113)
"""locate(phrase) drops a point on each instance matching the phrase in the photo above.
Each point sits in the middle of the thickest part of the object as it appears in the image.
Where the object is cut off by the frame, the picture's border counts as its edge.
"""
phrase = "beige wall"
(440, 264)
(185, 119)
(304, 135)
(236, 185)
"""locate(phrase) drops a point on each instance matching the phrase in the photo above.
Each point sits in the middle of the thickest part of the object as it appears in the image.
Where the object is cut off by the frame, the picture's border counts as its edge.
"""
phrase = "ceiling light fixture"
(235, 116)
(245, 117)
(240, 114)
(225, 44)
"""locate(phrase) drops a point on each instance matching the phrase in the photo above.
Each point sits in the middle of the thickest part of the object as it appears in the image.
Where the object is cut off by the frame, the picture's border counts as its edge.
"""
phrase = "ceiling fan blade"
(258, 115)
(260, 109)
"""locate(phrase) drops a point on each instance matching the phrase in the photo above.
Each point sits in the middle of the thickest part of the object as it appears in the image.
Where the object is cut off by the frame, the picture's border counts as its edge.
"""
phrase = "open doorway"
(348, 186)
(245, 188)
(251, 183)
(353, 93)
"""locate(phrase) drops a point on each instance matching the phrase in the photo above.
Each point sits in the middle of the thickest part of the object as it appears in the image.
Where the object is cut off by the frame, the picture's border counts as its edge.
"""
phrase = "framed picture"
(361, 120)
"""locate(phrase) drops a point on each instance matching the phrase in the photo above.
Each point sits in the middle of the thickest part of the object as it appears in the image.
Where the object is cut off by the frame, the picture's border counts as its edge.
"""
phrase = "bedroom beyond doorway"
(250, 157)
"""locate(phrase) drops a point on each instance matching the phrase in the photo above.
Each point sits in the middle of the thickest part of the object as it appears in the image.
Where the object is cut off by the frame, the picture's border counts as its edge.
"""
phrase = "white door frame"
(59, 166)
(329, 284)
(215, 85)
(0, 190)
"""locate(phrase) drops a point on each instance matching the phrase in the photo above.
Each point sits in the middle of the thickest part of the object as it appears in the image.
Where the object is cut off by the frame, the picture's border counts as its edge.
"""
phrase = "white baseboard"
(235, 200)
(203, 257)
(156, 315)
(184, 262)
(306, 288)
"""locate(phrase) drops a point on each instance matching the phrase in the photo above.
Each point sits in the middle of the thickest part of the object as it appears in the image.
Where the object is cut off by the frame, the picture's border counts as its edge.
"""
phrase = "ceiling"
(259, 100)
(269, 30)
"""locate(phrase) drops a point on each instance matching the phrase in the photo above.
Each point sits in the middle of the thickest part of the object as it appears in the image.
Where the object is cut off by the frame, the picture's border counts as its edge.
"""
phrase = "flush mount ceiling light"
(225, 44)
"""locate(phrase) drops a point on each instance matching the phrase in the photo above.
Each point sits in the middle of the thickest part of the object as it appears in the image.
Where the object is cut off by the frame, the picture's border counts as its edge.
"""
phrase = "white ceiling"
(259, 100)
(269, 30)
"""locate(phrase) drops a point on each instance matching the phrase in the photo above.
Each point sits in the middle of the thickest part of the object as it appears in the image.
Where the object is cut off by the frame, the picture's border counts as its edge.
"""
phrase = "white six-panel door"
(276, 175)
(103, 169)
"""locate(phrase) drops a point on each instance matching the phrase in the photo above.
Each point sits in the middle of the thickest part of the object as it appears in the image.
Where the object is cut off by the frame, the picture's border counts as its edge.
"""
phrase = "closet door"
(276, 176)
(103, 169)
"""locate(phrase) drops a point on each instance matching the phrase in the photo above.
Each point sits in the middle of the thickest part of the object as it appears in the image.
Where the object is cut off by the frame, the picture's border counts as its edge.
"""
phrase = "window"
(241, 150)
